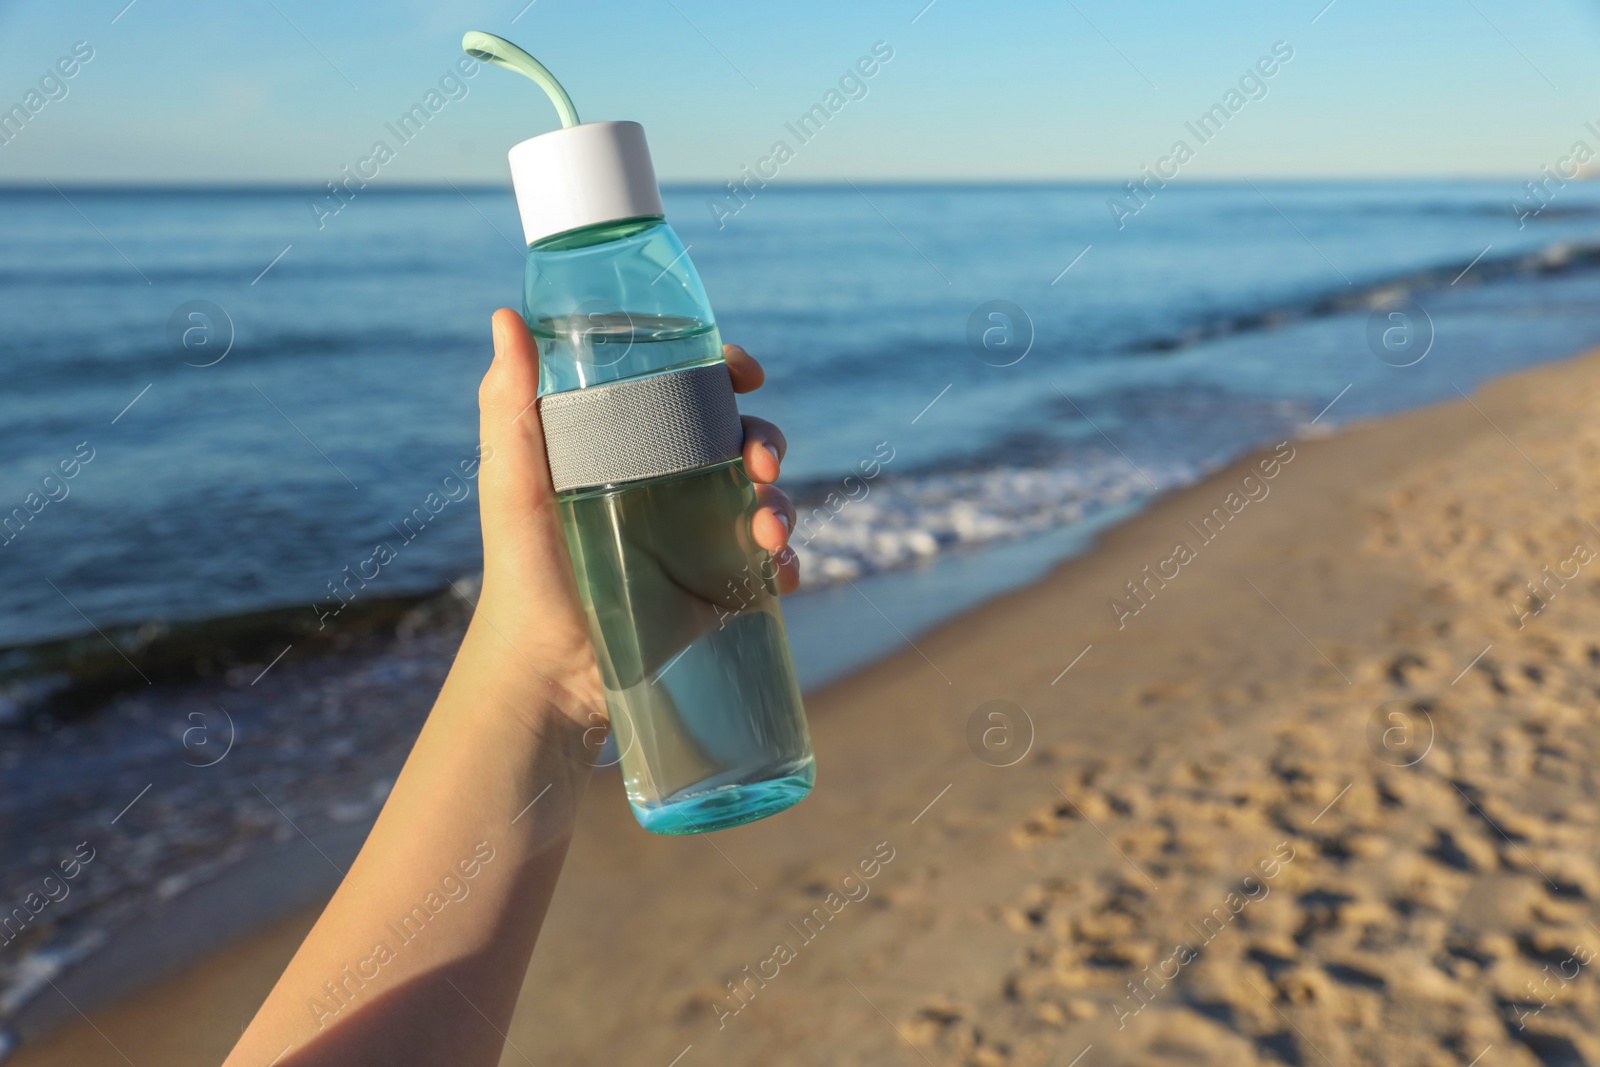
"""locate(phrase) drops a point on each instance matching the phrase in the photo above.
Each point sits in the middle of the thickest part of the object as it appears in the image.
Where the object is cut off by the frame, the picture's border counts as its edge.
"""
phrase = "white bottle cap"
(583, 175)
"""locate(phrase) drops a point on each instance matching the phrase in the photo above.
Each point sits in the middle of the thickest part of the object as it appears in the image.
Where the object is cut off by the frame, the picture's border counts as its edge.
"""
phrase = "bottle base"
(729, 805)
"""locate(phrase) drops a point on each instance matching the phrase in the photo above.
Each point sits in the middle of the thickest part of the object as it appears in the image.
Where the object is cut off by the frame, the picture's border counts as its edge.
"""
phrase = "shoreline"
(57, 678)
(1267, 650)
(74, 674)
(73, 677)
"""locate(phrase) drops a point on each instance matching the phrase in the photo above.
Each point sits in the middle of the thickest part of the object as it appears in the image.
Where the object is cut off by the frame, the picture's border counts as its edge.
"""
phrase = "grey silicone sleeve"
(641, 427)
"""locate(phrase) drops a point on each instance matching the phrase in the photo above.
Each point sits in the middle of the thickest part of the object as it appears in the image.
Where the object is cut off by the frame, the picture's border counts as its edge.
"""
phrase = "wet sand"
(1327, 796)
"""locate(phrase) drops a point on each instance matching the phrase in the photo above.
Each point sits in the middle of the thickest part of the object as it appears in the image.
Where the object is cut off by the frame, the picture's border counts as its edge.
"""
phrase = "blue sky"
(290, 90)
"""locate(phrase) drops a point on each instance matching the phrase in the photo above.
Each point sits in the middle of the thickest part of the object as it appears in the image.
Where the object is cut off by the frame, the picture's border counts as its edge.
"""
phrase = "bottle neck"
(615, 301)
(599, 233)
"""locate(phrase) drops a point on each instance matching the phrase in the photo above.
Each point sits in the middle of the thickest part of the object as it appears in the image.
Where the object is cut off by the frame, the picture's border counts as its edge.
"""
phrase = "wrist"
(499, 717)
(547, 689)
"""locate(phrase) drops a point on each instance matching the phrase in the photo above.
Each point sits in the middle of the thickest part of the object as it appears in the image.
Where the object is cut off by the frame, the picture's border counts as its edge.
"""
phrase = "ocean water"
(972, 379)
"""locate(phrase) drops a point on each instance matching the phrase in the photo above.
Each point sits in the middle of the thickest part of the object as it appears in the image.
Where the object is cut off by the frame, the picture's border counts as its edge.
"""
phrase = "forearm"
(419, 956)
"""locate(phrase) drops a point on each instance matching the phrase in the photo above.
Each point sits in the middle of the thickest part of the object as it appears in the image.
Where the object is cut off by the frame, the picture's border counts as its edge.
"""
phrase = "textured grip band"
(641, 427)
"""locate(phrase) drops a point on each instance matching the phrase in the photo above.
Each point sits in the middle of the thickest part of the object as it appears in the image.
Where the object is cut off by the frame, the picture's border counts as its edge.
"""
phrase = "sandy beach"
(1320, 792)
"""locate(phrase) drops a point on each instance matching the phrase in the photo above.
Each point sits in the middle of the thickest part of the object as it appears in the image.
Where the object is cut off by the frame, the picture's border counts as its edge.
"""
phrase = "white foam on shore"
(904, 521)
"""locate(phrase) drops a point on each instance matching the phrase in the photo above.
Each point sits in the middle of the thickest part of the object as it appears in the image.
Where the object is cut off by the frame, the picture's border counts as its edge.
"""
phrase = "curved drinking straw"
(501, 52)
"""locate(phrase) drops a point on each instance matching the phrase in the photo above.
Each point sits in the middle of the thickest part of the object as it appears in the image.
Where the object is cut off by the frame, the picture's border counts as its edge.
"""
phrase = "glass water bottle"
(645, 450)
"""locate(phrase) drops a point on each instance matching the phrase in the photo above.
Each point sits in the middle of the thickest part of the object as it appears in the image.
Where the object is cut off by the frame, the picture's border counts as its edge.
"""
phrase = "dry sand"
(1276, 817)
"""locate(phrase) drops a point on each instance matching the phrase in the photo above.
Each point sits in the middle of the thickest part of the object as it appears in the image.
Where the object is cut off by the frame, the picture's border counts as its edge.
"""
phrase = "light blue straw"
(501, 52)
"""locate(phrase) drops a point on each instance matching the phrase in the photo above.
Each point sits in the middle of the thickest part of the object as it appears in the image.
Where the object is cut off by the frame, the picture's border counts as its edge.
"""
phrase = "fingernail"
(770, 447)
(784, 519)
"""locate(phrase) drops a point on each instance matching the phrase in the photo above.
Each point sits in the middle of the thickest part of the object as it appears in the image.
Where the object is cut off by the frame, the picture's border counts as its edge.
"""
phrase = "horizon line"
(448, 185)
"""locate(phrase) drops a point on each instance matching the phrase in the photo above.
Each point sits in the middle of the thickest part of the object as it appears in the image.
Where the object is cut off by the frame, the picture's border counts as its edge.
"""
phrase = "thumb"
(524, 550)
(530, 596)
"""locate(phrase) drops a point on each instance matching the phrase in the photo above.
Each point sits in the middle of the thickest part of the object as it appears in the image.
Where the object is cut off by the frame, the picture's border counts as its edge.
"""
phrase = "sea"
(248, 398)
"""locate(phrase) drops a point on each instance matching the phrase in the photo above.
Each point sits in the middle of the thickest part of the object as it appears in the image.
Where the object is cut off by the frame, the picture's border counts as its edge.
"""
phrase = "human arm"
(492, 786)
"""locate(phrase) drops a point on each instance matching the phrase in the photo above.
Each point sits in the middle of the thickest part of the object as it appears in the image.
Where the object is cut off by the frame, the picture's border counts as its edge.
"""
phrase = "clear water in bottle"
(682, 603)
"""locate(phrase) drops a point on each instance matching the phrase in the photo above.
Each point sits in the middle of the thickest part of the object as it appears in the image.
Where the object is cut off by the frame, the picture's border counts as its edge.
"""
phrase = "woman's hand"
(491, 787)
(530, 607)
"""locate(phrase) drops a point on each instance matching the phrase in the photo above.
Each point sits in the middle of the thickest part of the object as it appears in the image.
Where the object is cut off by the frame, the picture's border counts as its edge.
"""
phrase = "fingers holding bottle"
(743, 368)
(771, 527)
(764, 443)
(764, 449)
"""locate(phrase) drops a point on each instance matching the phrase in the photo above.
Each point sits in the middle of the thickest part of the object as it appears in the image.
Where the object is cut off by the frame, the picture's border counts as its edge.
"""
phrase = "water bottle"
(645, 448)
